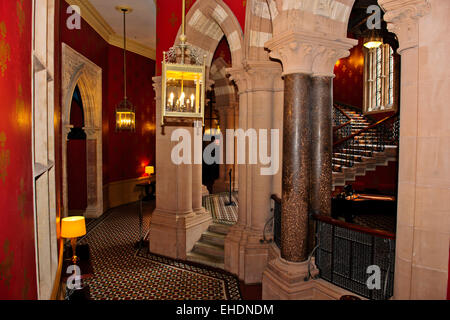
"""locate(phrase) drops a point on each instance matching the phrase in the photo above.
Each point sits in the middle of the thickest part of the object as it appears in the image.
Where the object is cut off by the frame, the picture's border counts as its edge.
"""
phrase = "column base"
(93, 212)
(245, 255)
(284, 280)
(174, 235)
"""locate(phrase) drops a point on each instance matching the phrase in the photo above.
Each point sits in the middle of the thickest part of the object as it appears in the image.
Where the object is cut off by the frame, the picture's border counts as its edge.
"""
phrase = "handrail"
(376, 124)
(57, 283)
(354, 227)
(342, 126)
(275, 198)
(342, 111)
(345, 115)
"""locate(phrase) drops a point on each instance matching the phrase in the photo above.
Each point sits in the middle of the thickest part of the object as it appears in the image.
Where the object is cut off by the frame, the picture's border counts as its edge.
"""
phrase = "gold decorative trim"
(99, 24)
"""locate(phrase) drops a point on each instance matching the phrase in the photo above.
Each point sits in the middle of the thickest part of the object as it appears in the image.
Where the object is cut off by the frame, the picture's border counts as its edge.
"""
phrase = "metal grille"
(343, 257)
(277, 224)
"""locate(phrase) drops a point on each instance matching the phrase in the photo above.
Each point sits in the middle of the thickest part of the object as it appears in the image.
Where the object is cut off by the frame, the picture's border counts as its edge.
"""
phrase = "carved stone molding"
(91, 133)
(310, 54)
(78, 70)
(402, 17)
(256, 76)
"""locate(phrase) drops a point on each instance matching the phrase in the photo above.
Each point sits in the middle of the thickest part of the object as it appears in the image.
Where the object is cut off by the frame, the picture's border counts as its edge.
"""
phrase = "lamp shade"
(73, 227)
(150, 170)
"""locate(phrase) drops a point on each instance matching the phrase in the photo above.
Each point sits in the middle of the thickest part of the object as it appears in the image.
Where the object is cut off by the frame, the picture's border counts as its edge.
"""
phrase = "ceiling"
(141, 23)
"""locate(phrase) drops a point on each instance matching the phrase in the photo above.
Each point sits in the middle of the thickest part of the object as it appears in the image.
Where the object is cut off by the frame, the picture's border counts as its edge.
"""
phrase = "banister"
(354, 227)
(275, 198)
(342, 126)
(342, 111)
(376, 124)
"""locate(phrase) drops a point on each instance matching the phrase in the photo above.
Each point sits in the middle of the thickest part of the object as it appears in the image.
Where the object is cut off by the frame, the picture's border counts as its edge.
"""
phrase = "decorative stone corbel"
(402, 17)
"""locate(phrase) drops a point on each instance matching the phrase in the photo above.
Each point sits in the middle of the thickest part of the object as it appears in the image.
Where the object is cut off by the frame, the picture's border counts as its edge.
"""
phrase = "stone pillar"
(423, 227)
(296, 167)
(308, 62)
(322, 144)
(197, 186)
(178, 221)
(94, 178)
(245, 255)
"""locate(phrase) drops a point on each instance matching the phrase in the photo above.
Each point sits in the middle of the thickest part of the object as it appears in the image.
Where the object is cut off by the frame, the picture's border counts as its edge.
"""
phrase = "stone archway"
(78, 70)
(207, 22)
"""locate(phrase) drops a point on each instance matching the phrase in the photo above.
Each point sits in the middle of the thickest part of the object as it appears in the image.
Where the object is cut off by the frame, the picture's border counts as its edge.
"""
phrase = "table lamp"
(150, 170)
(73, 228)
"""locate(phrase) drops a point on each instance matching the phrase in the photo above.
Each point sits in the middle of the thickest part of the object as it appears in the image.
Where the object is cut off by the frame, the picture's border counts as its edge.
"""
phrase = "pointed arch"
(206, 24)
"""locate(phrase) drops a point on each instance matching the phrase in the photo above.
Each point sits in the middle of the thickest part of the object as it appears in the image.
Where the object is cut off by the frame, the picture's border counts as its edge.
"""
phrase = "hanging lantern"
(125, 111)
(183, 82)
(372, 39)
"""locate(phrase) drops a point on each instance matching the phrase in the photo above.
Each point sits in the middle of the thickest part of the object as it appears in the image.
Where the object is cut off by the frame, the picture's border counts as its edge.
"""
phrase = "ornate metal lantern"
(125, 111)
(183, 82)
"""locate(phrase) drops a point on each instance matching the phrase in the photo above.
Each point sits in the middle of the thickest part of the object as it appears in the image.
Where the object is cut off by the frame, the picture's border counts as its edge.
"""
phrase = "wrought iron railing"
(365, 142)
(277, 220)
(342, 123)
(348, 256)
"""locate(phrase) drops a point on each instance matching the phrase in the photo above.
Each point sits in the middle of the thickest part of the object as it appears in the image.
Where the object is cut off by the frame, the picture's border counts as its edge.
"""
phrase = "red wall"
(124, 154)
(17, 253)
(383, 179)
(349, 81)
(168, 22)
(223, 51)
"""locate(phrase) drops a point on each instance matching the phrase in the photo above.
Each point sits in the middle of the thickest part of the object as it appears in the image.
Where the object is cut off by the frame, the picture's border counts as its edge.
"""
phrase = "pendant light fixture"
(373, 39)
(183, 82)
(125, 111)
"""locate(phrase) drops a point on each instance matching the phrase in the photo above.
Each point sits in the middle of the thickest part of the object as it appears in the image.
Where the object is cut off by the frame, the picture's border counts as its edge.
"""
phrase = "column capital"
(157, 87)
(256, 76)
(308, 53)
(91, 133)
(402, 17)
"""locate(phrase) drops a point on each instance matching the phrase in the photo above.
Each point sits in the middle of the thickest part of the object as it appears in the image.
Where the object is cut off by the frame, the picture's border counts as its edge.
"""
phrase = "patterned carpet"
(123, 273)
(215, 203)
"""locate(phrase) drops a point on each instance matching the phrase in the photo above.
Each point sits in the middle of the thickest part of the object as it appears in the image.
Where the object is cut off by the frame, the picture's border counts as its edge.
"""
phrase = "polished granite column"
(296, 167)
(322, 144)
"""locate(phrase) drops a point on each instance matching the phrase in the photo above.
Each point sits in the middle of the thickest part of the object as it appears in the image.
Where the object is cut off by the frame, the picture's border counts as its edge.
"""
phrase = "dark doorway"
(76, 158)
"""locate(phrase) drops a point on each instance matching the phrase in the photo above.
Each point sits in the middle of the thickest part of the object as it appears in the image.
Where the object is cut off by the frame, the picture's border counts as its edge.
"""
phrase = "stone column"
(296, 167)
(197, 173)
(322, 144)
(220, 184)
(423, 226)
(94, 177)
(245, 255)
(176, 225)
(308, 61)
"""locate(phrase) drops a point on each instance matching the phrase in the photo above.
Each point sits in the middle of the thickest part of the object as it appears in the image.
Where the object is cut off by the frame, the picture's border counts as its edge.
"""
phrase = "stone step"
(219, 228)
(213, 238)
(208, 249)
(206, 260)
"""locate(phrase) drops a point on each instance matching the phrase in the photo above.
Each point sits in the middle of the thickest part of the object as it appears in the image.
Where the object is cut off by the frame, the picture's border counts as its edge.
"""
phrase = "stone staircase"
(365, 152)
(209, 250)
